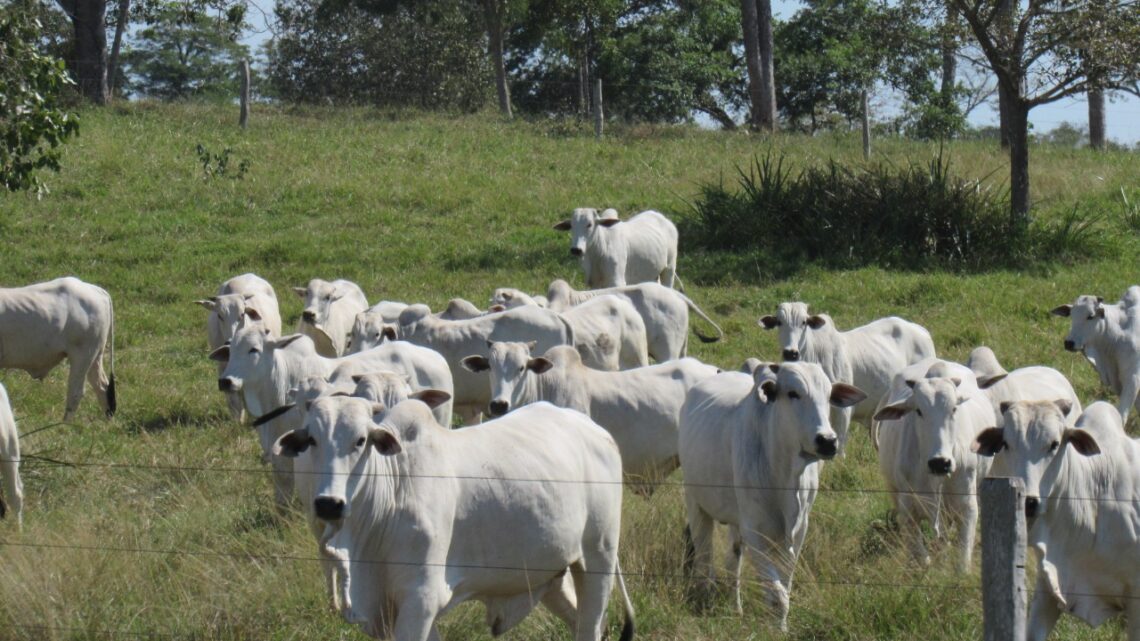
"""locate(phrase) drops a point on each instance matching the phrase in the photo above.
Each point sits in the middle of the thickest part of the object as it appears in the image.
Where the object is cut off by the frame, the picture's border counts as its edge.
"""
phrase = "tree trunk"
(767, 66)
(749, 22)
(1005, 24)
(113, 64)
(87, 18)
(1096, 119)
(493, 14)
(1004, 116)
(1018, 120)
(949, 55)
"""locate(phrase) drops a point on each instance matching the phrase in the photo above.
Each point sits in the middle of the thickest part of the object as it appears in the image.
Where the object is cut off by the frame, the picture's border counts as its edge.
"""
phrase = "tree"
(88, 19)
(1046, 50)
(185, 54)
(32, 124)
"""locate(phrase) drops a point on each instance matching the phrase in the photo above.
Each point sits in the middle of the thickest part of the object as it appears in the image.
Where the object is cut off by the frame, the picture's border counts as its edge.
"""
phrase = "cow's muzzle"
(309, 317)
(826, 446)
(1032, 504)
(940, 466)
(576, 251)
(328, 508)
(791, 354)
(1070, 346)
(498, 408)
(227, 385)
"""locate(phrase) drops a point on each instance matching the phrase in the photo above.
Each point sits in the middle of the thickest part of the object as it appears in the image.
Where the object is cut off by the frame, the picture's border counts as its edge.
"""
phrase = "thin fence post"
(1003, 559)
(244, 118)
(866, 125)
(598, 115)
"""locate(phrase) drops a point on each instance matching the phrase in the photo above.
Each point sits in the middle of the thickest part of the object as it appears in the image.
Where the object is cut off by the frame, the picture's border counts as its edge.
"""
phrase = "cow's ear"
(816, 321)
(608, 222)
(768, 322)
(769, 389)
(1004, 406)
(539, 365)
(433, 398)
(356, 378)
(292, 443)
(284, 341)
(1099, 313)
(301, 291)
(378, 409)
(208, 303)
(986, 383)
(1082, 441)
(475, 363)
(989, 442)
(388, 333)
(1100, 300)
(384, 441)
(495, 309)
(892, 412)
(563, 226)
(222, 354)
(956, 380)
(1065, 405)
(1063, 310)
(252, 314)
(844, 395)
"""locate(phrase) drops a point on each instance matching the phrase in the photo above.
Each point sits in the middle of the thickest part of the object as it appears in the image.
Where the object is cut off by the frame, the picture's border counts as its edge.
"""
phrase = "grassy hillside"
(161, 526)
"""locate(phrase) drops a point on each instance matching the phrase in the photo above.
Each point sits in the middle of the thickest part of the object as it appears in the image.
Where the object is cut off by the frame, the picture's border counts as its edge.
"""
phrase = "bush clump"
(919, 216)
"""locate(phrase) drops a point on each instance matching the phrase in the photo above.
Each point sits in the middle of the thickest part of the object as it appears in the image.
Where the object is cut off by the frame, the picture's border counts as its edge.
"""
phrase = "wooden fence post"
(1003, 559)
(598, 115)
(244, 118)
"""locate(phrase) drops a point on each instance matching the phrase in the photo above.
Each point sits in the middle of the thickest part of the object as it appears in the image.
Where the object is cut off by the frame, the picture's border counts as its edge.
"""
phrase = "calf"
(42, 324)
(372, 326)
(556, 499)
(247, 296)
(614, 253)
(1082, 503)
(1109, 337)
(751, 449)
(329, 311)
(640, 408)
(866, 356)
(10, 462)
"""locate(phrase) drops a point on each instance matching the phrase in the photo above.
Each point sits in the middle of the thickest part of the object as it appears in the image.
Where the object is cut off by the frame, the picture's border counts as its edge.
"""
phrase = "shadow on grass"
(174, 418)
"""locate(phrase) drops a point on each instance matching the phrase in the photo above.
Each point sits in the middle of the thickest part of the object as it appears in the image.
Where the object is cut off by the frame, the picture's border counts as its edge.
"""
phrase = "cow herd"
(355, 410)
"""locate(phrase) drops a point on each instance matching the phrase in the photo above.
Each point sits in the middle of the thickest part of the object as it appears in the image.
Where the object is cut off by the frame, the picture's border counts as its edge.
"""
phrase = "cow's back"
(879, 349)
(427, 368)
(40, 324)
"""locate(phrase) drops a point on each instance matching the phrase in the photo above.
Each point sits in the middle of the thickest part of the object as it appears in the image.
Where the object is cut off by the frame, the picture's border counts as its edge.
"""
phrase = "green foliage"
(33, 125)
(918, 216)
(217, 165)
(185, 54)
(428, 55)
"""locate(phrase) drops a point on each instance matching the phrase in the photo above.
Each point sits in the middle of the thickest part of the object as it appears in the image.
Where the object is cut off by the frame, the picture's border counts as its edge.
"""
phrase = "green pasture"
(159, 524)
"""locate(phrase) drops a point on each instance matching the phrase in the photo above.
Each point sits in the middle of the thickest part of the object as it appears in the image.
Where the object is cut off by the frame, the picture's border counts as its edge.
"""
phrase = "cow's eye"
(254, 350)
(523, 368)
(919, 412)
(1092, 316)
(793, 395)
(1054, 445)
(220, 317)
(360, 442)
(329, 297)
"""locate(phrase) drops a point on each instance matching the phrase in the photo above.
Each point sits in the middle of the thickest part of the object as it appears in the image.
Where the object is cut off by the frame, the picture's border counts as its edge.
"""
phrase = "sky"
(1122, 110)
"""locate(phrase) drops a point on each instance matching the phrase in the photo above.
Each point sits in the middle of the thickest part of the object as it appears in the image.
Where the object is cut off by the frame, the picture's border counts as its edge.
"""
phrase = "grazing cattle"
(609, 333)
(263, 369)
(664, 310)
(241, 297)
(42, 324)
(1082, 503)
(1034, 383)
(509, 297)
(616, 253)
(423, 514)
(368, 328)
(10, 462)
(751, 449)
(926, 425)
(640, 408)
(866, 356)
(456, 340)
(1109, 337)
(330, 308)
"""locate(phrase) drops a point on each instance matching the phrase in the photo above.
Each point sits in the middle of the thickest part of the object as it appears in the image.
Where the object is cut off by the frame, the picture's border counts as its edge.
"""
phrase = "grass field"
(162, 525)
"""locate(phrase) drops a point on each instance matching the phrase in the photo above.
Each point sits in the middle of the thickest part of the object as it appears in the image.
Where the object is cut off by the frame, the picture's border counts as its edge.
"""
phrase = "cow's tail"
(3, 507)
(690, 558)
(627, 628)
(112, 404)
(677, 284)
(699, 312)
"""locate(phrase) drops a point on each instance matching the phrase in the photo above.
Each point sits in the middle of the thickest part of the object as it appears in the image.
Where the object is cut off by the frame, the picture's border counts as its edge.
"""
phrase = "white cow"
(42, 324)
(509, 297)
(1034, 383)
(751, 449)
(664, 310)
(866, 356)
(375, 324)
(329, 311)
(10, 462)
(241, 297)
(264, 369)
(456, 340)
(609, 333)
(1082, 501)
(1109, 337)
(425, 514)
(615, 252)
(926, 425)
(640, 408)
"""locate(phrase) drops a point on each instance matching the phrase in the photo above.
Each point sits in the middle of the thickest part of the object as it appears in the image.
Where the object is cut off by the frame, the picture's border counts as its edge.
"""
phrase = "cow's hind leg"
(80, 365)
(13, 488)
(563, 602)
(594, 581)
(698, 556)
